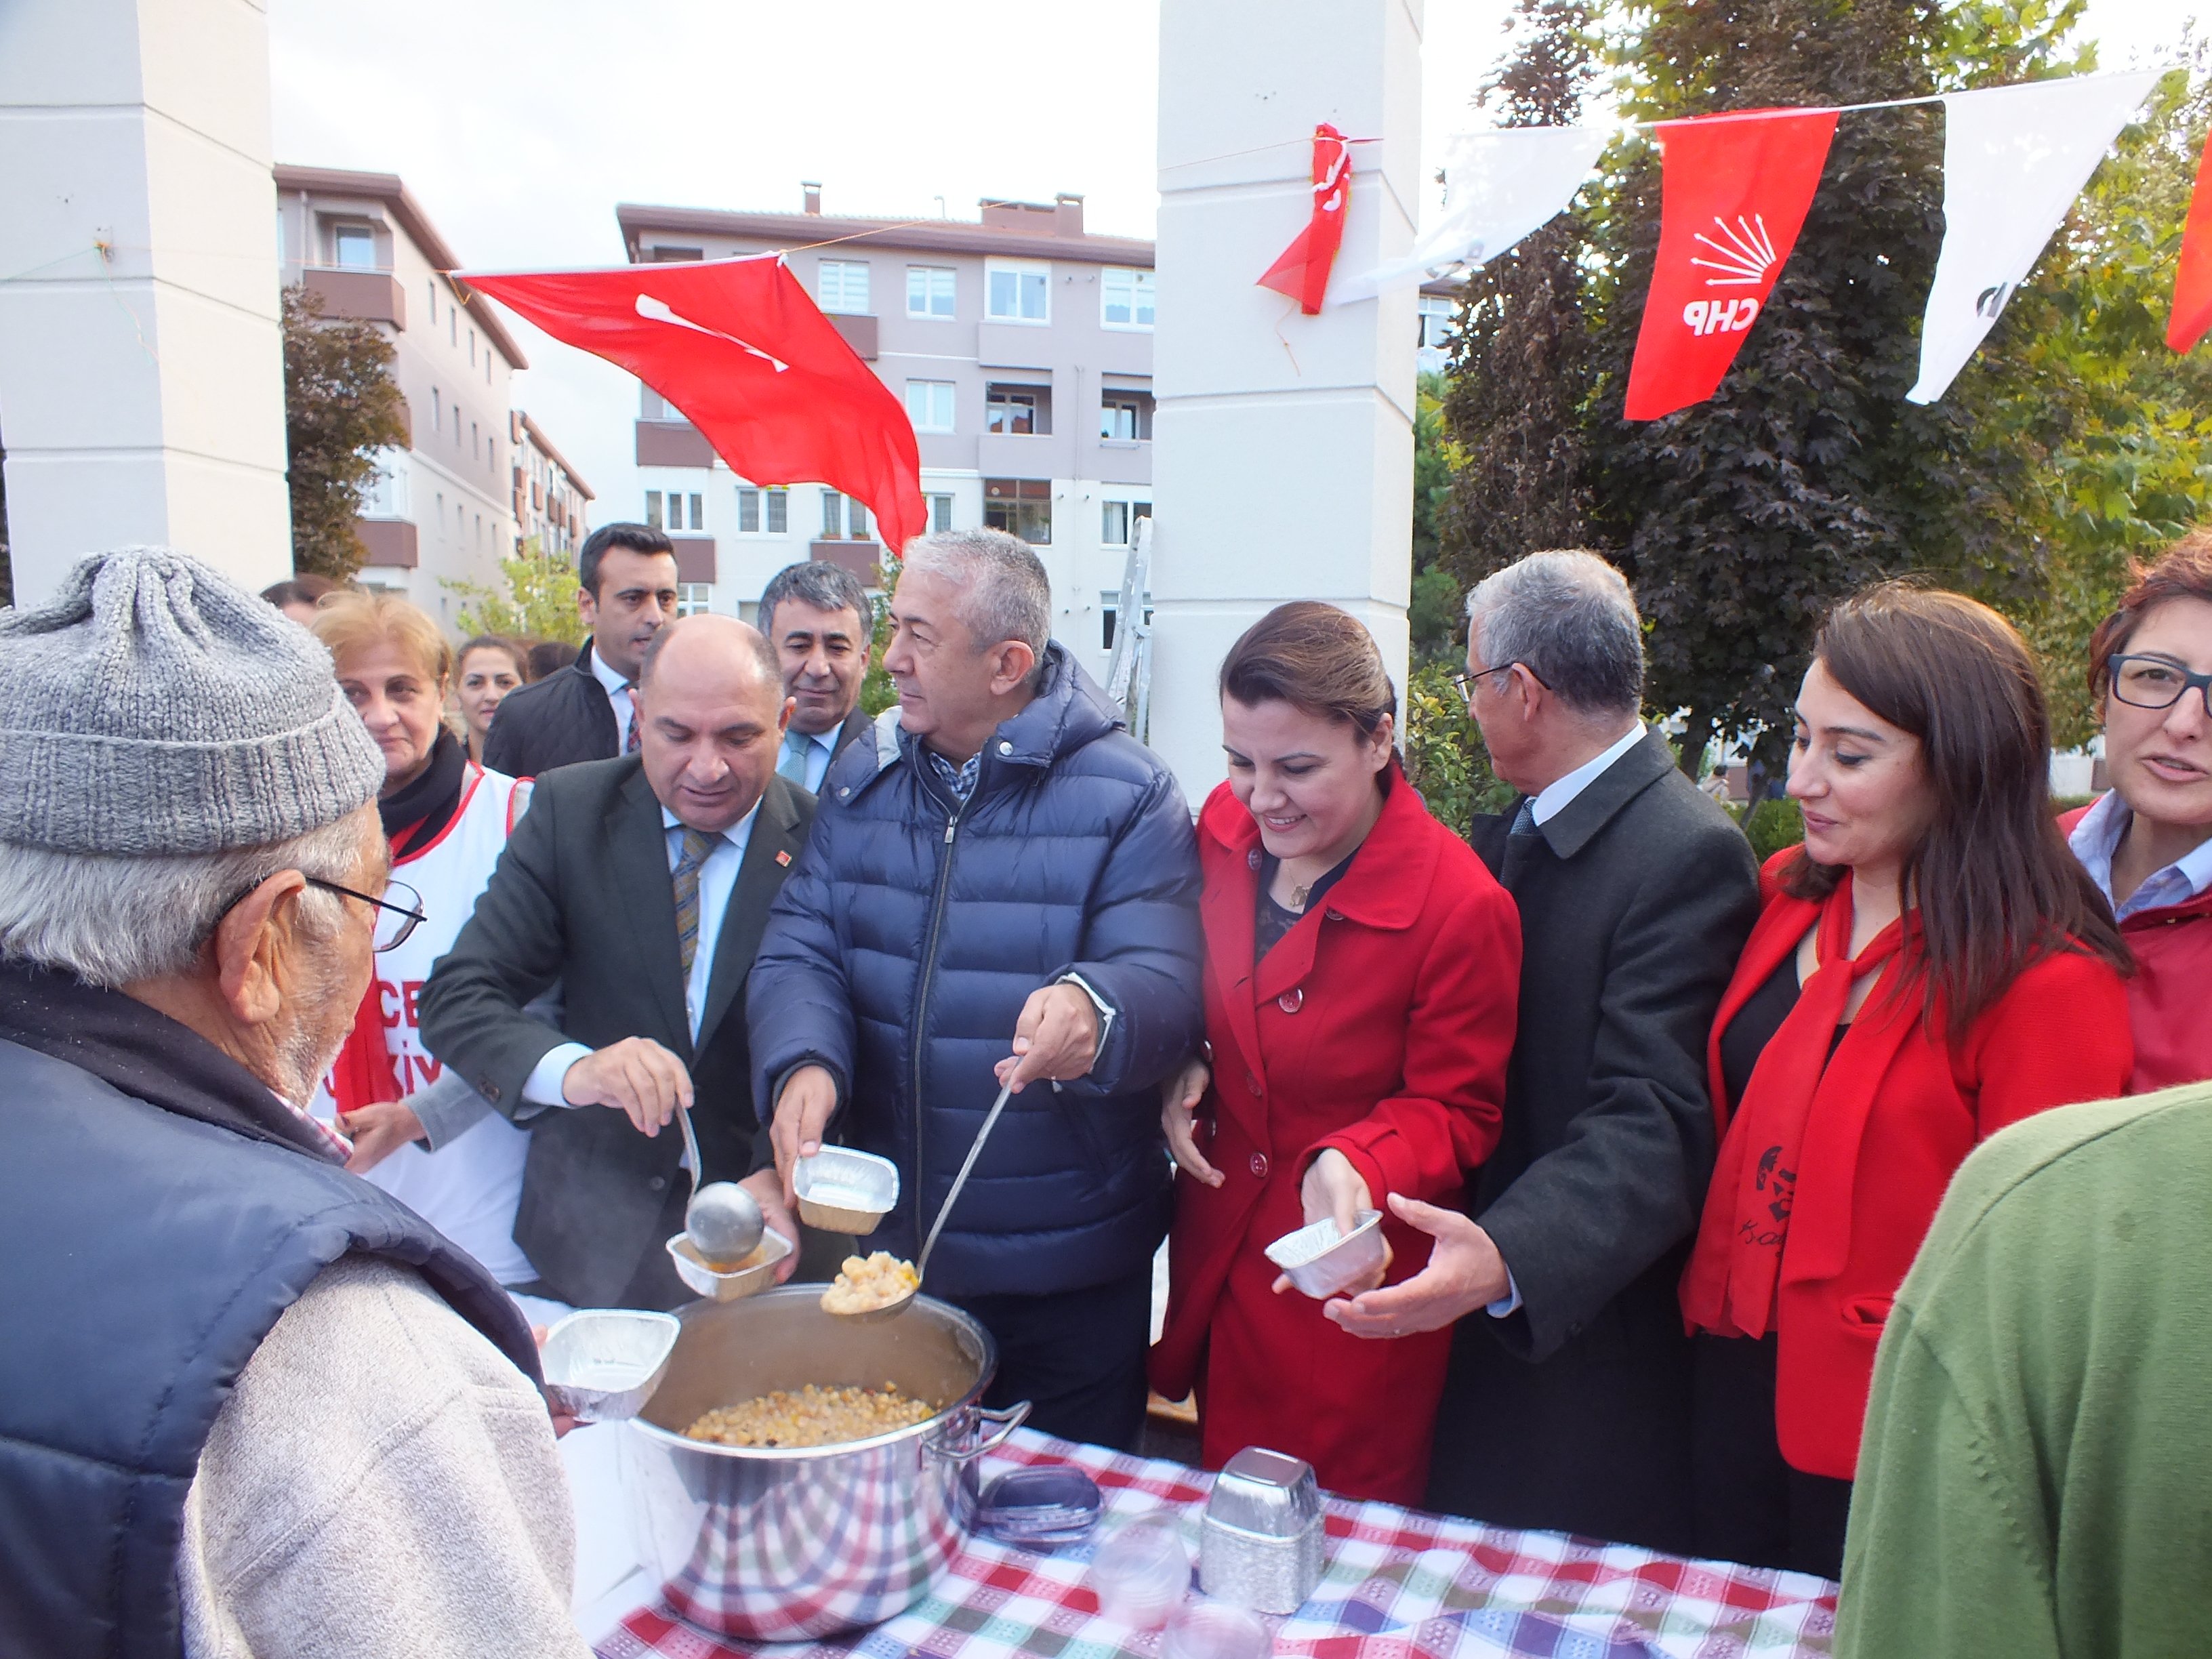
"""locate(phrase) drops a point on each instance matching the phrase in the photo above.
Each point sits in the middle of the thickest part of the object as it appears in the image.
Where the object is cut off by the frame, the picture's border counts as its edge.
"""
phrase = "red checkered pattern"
(1398, 1585)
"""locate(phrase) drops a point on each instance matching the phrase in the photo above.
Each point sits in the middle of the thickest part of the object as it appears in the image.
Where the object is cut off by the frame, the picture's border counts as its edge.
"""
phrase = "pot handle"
(1003, 1422)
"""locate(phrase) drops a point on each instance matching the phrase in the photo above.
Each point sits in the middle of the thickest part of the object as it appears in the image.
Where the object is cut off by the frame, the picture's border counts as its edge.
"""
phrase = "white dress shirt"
(718, 879)
(2096, 838)
(1558, 795)
(618, 695)
(1550, 801)
(820, 746)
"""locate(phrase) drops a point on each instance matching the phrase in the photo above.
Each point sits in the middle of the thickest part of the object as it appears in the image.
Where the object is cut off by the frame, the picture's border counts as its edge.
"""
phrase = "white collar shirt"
(1560, 795)
(2097, 838)
(718, 879)
(617, 689)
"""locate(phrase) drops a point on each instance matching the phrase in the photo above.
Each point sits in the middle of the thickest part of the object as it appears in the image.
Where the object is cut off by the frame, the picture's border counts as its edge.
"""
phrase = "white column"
(142, 385)
(1282, 451)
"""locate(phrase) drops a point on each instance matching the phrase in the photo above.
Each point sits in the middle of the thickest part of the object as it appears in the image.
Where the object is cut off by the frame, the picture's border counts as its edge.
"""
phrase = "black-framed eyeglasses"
(2156, 682)
(395, 922)
(1465, 683)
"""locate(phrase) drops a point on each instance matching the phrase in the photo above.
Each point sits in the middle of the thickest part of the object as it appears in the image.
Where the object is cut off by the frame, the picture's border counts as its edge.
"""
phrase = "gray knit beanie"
(154, 706)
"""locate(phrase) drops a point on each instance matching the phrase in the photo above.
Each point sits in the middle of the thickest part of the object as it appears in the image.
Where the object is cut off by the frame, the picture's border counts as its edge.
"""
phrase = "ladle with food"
(881, 1286)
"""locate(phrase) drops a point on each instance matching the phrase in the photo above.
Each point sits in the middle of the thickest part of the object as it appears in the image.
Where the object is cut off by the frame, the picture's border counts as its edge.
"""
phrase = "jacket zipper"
(921, 1012)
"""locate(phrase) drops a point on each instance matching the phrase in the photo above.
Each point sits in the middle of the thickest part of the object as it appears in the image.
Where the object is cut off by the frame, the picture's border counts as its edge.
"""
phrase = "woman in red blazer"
(2148, 841)
(1362, 969)
(1931, 965)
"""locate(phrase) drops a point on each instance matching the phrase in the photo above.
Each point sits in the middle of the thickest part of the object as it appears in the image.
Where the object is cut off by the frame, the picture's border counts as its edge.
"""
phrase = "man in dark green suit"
(641, 884)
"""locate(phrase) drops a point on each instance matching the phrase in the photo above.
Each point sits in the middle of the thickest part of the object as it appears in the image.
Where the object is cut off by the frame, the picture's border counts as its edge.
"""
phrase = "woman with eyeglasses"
(417, 1131)
(2147, 842)
(1930, 966)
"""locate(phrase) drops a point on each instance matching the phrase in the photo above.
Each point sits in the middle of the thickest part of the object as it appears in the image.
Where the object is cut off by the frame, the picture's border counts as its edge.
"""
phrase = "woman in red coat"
(1362, 969)
(1931, 965)
(2148, 841)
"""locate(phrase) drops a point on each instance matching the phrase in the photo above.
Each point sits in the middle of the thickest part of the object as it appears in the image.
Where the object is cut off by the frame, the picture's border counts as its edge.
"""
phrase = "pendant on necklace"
(1298, 897)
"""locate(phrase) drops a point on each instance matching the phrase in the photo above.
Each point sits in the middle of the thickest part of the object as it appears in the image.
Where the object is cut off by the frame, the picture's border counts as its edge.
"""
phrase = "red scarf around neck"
(1729, 1286)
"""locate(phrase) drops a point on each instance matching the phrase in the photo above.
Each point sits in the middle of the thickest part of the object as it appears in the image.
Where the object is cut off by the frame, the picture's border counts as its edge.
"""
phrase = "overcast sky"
(520, 123)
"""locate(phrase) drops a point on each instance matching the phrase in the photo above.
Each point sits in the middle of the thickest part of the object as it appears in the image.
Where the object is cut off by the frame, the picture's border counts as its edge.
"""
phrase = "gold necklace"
(1298, 897)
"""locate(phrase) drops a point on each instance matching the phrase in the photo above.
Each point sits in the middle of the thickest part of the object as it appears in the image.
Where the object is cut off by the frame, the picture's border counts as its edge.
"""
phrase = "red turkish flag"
(1301, 271)
(1733, 197)
(741, 348)
(2192, 282)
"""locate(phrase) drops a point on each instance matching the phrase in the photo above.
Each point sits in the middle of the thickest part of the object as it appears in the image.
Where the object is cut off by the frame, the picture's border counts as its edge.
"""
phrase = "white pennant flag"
(2014, 160)
(1498, 186)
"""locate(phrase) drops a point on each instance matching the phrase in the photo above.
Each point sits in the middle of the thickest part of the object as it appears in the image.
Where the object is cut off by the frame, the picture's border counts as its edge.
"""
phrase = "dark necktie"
(1524, 821)
(630, 742)
(698, 844)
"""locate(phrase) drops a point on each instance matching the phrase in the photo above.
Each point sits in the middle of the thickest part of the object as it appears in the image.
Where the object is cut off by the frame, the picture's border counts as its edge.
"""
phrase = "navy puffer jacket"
(910, 934)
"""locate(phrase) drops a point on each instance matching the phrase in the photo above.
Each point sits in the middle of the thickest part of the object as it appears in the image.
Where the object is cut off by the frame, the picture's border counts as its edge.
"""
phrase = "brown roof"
(385, 187)
(797, 230)
(538, 436)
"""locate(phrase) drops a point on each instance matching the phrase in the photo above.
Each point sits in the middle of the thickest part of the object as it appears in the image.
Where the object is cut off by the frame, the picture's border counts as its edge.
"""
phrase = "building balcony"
(860, 333)
(391, 542)
(367, 296)
(863, 559)
(672, 443)
(694, 558)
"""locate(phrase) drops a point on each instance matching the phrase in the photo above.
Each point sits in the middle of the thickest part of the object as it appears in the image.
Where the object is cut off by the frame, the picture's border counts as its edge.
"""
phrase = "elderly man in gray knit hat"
(249, 1405)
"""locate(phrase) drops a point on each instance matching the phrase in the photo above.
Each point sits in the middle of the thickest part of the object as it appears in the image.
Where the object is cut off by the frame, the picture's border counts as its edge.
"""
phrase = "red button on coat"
(1260, 1166)
(1293, 1000)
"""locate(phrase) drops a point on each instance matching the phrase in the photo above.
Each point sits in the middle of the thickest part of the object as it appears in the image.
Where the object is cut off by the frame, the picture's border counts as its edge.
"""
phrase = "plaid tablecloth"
(1398, 1584)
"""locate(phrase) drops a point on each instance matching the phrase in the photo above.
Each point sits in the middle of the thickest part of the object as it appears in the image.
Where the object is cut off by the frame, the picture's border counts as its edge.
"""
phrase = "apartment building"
(1021, 346)
(548, 493)
(444, 508)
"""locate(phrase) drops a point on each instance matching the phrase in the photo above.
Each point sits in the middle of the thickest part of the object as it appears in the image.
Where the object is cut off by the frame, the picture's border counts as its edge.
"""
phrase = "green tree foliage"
(1445, 760)
(539, 604)
(341, 406)
(877, 691)
(1432, 616)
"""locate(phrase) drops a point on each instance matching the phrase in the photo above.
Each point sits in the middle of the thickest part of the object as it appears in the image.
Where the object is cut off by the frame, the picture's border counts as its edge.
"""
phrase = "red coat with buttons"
(1379, 1025)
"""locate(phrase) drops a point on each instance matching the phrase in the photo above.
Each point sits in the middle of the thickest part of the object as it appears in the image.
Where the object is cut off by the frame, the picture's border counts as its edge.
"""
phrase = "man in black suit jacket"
(1567, 1405)
(817, 617)
(626, 593)
(642, 885)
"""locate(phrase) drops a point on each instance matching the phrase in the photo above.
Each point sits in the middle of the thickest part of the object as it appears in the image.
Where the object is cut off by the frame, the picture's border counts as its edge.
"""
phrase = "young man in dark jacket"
(1002, 889)
(626, 593)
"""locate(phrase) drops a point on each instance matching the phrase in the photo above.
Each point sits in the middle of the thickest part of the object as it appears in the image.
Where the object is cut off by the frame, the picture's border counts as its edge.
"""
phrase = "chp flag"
(2192, 277)
(739, 347)
(1734, 192)
(2014, 160)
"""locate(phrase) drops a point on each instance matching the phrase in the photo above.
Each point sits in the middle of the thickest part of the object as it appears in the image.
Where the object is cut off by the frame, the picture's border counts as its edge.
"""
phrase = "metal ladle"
(723, 1220)
(892, 1309)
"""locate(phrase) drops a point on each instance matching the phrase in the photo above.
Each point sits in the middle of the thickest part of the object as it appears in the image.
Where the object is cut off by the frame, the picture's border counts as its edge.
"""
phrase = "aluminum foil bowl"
(841, 1191)
(750, 1278)
(1323, 1263)
(602, 1364)
(776, 1543)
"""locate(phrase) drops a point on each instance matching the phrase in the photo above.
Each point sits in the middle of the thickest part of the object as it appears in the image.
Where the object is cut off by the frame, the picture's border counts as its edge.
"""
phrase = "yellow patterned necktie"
(698, 844)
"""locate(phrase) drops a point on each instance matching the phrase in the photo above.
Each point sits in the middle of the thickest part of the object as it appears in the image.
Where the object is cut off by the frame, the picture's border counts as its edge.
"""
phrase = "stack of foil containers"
(1261, 1546)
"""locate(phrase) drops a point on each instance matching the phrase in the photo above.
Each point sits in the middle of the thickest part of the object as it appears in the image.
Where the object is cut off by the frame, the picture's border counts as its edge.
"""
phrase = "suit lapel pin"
(783, 859)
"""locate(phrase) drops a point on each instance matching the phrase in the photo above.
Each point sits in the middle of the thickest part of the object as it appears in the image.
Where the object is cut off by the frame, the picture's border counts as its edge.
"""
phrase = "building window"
(472, 348)
(437, 412)
(432, 285)
(749, 516)
(1020, 507)
(929, 291)
(940, 513)
(1110, 613)
(1436, 312)
(1124, 417)
(668, 512)
(929, 406)
(842, 285)
(1018, 291)
(1119, 521)
(692, 597)
(453, 326)
(1125, 297)
(1022, 411)
(843, 519)
(353, 247)
(778, 512)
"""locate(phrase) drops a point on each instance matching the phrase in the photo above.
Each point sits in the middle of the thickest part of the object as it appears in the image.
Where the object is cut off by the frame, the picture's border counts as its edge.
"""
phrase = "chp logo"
(1746, 255)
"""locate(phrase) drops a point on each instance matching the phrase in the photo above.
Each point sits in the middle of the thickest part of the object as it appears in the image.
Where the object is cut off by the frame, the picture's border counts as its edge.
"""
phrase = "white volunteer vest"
(467, 1188)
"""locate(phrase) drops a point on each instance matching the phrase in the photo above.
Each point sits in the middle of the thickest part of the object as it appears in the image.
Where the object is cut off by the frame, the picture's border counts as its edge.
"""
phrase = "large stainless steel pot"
(774, 1545)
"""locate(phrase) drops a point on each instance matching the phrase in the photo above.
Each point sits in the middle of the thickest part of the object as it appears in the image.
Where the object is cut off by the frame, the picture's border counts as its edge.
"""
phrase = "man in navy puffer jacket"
(1003, 887)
